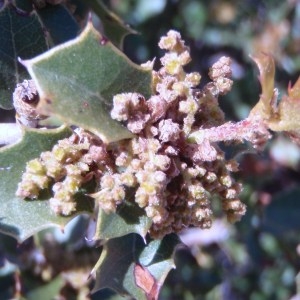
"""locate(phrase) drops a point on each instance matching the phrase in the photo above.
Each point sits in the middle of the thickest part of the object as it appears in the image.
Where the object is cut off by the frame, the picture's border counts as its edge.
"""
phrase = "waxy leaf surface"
(77, 81)
(21, 218)
(132, 267)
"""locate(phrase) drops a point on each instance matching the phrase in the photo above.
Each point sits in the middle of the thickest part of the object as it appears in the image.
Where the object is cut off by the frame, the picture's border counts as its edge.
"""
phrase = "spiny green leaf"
(20, 218)
(129, 218)
(77, 81)
(131, 267)
(21, 35)
(114, 28)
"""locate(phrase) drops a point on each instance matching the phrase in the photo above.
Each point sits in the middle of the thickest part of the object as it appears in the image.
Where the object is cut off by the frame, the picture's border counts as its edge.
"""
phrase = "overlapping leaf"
(77, 81)
(114, 28)
(20, 218)
(59, 24)
(265, 106)
(129, 218)
(131, 267)
(26, 34)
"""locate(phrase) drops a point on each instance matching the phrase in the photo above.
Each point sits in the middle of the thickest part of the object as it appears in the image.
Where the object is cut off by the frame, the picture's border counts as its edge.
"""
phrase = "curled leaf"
(266, 105)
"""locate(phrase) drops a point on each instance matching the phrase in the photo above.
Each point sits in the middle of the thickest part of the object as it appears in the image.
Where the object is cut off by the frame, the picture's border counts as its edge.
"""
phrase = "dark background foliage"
(257, 258)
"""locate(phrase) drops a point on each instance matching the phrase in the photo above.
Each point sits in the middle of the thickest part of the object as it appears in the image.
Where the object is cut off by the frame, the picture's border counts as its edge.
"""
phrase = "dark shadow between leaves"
(85, 203)
(43, 196)
(130, 212)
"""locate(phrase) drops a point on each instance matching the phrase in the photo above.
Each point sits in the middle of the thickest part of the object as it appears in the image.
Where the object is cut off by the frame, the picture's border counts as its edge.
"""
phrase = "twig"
(254, 131)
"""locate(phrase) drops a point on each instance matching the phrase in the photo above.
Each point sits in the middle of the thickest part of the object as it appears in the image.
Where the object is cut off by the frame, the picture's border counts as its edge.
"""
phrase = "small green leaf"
(59, 23)
(114, 28)
(21, 36)
(131, 267)
(129, 218)
(20, 218)
(77, 81)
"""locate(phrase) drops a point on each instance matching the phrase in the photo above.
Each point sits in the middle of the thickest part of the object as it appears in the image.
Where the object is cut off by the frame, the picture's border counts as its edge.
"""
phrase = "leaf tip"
(264, 62)
(294, 90)
(24, 62)
(90, 19)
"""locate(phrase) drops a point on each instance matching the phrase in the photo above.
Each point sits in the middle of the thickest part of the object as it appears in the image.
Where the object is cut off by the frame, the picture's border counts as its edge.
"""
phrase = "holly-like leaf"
(77, 81)
(21, 34)
(266, 104)
(131, 267)
(114, 28)
(129, 218)
(20, 218)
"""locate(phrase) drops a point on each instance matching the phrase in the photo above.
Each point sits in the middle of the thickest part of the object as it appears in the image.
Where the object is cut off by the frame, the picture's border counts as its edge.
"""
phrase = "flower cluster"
(173, 178)
(71, 163)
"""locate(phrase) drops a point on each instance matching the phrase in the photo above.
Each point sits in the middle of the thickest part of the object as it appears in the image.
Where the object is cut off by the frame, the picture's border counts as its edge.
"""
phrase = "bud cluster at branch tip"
(173, 179)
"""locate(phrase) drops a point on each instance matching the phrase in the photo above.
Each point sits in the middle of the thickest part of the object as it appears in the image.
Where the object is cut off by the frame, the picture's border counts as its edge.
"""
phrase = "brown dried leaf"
(145, 280)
